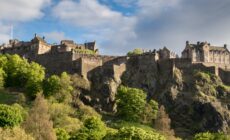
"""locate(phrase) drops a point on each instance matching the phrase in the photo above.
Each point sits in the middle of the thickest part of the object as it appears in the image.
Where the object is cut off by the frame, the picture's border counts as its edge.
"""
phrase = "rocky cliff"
(195, 99)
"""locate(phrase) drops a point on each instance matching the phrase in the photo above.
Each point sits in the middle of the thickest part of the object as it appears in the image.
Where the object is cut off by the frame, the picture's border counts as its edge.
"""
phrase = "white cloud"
(4, 33)
(101, 22)
(13, 12)
(55, 36)
(21, 10)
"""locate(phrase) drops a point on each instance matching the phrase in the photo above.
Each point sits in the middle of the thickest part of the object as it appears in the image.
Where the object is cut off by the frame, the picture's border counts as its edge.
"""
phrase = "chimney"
(43, 37)
(35, 35)
(225, 45)
(187, 42)
(198, 43)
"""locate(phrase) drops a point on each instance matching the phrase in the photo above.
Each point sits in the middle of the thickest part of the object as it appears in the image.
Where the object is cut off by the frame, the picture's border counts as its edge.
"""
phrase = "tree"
(10, 116)
(35, 76)
(60, 88)
(137, 51)
(38, 123)
(15, 133)
(22, 74)
(150, 112)
(132, 105)
(163, 122)
(62, 116)
(51, 85)
(94, 129)
(62, 134)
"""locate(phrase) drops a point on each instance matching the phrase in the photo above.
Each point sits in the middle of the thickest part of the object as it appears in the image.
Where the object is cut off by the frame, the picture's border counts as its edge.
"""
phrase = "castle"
(84, 58)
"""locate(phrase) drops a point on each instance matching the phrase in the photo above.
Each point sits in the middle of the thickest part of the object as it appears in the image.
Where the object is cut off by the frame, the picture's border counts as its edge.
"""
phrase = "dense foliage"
(211, 136)
(137, 51)
(56, 110)
(10, 116)
(132, 105)
(38, 123)
(134, 133)
(18, 72)
(93, 129)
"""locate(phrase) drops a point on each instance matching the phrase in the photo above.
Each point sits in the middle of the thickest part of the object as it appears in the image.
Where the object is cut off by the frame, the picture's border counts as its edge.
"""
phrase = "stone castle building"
(38, 46)
(84, 58)
(206, 53)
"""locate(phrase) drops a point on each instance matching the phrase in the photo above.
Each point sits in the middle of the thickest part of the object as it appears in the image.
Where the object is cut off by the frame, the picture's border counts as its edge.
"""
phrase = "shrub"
(94, 129)
(137, 51)
(60, 88)
(38, 123)
(61, 134)
(134, 133)
(15, 133)
(132, 105)
(10, 116)
(211, 136)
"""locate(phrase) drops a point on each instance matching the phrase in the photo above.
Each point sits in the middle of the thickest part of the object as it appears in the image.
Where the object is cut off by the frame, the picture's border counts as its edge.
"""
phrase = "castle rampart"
(83, 58)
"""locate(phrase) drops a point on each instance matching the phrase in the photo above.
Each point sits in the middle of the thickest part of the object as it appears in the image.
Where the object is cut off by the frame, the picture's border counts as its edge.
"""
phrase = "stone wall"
(56, 63)
(225, 76)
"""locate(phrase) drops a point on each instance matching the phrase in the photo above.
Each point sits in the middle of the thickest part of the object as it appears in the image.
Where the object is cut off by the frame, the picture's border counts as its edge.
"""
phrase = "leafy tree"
(51, 85)
(62, 116)
(62, 134)
(35, 74)
(15, 133)
(94, 129)
(60, 88)
(16, 69)
(20, 73)
(10, 116)
(137, 51)
(132, 105)
(64, 95)
(38, 123)
(134, 133)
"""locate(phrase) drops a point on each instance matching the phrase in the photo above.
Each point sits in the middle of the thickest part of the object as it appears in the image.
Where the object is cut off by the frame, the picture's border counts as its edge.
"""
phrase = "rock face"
(195, 99)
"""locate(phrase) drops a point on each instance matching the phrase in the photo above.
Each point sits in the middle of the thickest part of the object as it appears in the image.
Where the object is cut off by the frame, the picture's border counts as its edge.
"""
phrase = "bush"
(60, 88)
(132, 105)
(94, 129)
(61, 134)
(15, 133)
(38, 123)
(134, 133)
(22, 74)
(137, 51)
(62, 117)
(211, 136)
(10, 116)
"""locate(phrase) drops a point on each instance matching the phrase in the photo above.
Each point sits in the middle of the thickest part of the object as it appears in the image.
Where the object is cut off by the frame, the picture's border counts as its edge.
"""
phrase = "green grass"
(120, 124)
(7, 98)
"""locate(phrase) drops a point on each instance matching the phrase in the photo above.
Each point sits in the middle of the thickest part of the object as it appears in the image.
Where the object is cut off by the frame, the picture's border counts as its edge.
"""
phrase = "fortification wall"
(88, 64)
(56, 63)
(225, 76)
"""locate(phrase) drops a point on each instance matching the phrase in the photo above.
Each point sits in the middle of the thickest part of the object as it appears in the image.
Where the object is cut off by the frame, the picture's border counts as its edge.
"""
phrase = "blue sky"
(118, 25)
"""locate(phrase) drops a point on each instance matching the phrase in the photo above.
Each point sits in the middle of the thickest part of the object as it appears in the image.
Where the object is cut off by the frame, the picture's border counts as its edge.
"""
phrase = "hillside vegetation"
(36, 107)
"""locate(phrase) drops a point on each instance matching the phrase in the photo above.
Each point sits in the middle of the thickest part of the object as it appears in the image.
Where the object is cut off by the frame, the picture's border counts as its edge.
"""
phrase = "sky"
(118, 26)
